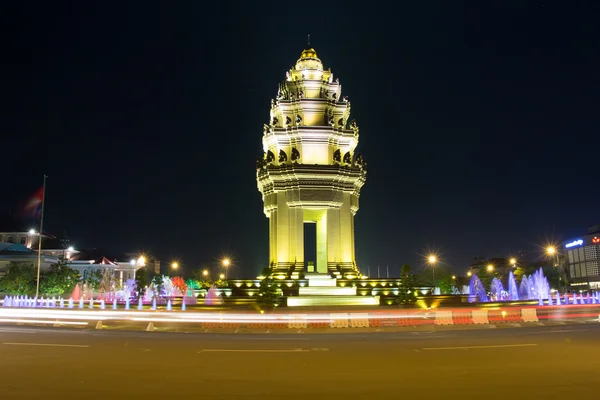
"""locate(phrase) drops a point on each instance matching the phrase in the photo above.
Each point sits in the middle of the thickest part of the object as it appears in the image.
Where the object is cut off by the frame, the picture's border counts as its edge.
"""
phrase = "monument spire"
(309, 40)
(310, 172)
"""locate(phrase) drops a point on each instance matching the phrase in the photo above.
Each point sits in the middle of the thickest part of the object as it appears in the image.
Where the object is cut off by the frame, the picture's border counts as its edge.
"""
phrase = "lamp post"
(431, 260)
(553, 253)
(225, 264)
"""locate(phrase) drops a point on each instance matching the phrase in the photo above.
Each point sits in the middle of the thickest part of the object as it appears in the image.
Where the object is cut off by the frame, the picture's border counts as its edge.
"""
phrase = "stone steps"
(327, 291)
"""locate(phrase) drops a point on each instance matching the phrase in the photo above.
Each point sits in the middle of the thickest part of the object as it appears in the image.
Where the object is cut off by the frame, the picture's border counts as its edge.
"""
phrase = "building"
(310, 172)
(582, 259)
(19, 244)
(18, 253)
(14, 231)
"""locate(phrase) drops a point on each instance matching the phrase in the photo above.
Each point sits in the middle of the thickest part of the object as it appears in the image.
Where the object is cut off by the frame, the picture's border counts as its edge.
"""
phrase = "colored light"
(578, 242)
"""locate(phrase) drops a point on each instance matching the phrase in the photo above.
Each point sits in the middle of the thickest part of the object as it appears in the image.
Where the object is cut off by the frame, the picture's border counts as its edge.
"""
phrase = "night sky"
(479, 123)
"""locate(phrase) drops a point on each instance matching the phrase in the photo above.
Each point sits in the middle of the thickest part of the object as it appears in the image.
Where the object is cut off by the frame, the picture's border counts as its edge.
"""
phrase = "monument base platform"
(311, 301)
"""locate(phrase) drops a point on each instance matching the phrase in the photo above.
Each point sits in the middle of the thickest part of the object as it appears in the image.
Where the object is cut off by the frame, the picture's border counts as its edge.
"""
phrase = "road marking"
(253, 351)
(30, 331)
(45, 344)
(480, 347)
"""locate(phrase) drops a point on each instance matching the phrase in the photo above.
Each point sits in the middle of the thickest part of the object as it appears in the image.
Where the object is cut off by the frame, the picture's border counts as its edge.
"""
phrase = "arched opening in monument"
(310, 246)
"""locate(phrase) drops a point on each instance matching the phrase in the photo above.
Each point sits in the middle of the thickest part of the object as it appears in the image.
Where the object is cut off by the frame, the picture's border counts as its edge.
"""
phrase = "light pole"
(553, 253)
(431, 260)
(225, 264)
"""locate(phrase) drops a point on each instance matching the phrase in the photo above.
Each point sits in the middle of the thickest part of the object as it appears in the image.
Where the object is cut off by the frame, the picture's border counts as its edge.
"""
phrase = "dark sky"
(480, 123)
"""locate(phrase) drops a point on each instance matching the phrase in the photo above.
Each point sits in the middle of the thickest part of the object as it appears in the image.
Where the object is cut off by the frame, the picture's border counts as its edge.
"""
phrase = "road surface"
(532, 363)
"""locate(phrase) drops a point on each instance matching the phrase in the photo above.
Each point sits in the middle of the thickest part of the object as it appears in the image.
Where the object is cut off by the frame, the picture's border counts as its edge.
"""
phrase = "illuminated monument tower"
(310, 172)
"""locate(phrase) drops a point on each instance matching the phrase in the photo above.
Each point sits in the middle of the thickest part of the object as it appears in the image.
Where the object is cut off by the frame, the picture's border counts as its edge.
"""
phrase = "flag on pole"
(32, 208)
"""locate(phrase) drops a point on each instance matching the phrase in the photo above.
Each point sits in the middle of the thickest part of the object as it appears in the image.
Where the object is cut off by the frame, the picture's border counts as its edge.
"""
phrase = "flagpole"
(39, 260)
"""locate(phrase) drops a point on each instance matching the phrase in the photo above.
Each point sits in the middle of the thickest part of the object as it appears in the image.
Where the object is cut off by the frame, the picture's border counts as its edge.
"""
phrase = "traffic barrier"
(359, 320)
(480, 317)
(256, 325)
(338, 320)
(462, 317)
(504, 316)
(443, 318)
(382, 320)
(298, 321)
(277, 325)
(529, 315)
(318, 324)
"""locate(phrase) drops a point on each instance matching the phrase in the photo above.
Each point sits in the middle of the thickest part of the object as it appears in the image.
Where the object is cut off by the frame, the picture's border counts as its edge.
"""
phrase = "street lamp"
(221, 276)
(226, 263)
(469, 273)
(490, 268)
(513, 262)
(205, 273)
(552, 252)
(174, 265)
(431, 260)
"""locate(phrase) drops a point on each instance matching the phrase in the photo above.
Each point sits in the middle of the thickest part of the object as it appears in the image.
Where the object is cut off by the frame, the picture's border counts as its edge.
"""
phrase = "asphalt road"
(528, 363)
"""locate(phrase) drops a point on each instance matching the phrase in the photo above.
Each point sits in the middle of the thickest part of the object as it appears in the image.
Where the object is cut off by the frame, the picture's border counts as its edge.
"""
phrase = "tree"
(445, 283)
(19, 279)
(58, 280)
(93, 279)
(268, 293)
(158, 283)
(141, 279)
(406, 288)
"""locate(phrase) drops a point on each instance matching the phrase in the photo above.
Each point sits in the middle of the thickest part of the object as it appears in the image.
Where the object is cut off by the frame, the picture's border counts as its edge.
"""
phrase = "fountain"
(81, 302)
(212, 296)
(154, 303)
(76, 295)
(476, 290)
(532, 287)
(127, 303)
(557, 299)
(497, 290)
(524, 289)
(102, 305)
(169, 308)
(7, 302)
(513, 292)
(140, 304)
(61, 304)
(149, 294)
(92, 302)
(183, 304)
(114, 307)
(71, 305)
